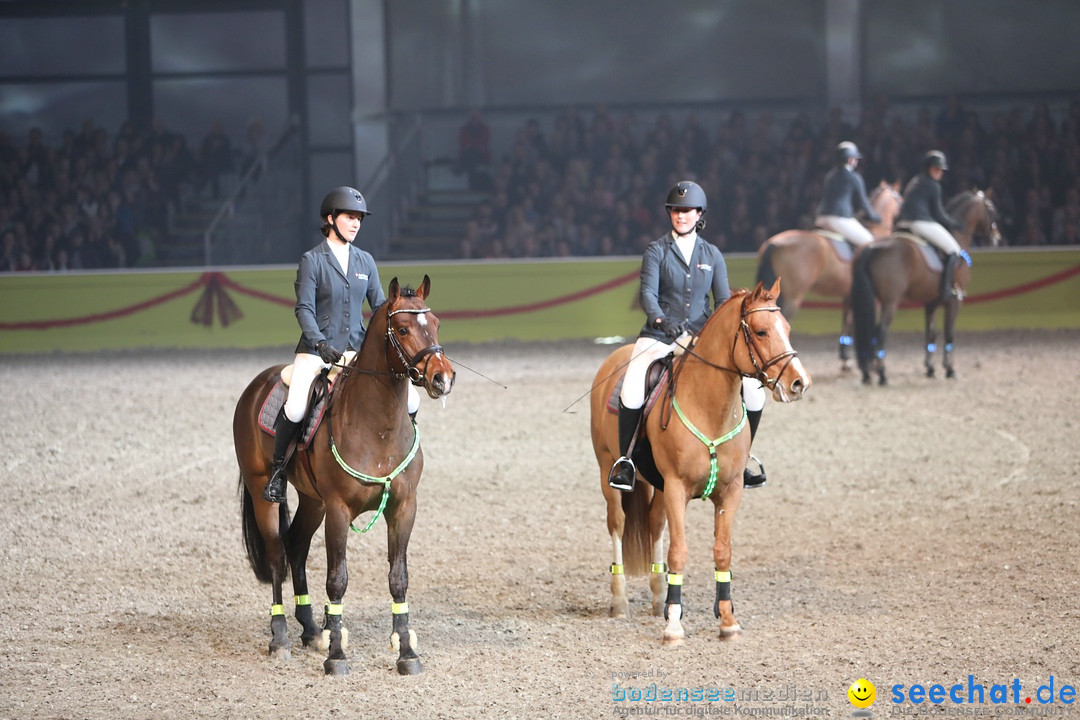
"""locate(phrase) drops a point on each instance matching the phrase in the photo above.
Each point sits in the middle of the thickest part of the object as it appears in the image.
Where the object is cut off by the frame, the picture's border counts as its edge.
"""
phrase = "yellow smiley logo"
(862, 693)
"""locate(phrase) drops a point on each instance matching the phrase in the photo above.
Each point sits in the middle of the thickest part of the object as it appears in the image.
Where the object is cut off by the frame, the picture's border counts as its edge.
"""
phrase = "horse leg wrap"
(674, 592)
(723, 589)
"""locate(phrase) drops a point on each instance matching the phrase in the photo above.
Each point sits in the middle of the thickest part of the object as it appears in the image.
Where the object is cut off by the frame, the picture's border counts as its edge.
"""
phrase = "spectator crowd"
(594, 185)
(590, 184)
(95, 201)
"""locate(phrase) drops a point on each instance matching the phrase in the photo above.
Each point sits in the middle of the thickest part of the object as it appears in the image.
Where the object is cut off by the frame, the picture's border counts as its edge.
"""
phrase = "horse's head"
(979, 215)
(766, 352)
(412, 331)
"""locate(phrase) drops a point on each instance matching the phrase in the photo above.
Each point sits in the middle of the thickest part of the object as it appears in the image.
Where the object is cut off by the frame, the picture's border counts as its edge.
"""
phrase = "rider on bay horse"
(333, 280)
(923, 213)
(678, 273)
(845, 193)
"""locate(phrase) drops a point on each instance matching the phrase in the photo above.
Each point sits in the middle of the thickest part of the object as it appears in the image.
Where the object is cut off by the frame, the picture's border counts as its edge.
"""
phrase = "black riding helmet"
(343, 199)
(687, 194)
(935, 158)
(846, 151)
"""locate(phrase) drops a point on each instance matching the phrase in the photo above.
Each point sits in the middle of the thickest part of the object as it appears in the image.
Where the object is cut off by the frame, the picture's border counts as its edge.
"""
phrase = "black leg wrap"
(723, 592)
(674, 597)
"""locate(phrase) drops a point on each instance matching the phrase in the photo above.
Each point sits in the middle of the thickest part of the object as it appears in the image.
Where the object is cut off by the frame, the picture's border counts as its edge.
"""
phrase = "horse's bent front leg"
(308, 517)
(675, 504)
(337, 581)
(952, 309)
(399, 525)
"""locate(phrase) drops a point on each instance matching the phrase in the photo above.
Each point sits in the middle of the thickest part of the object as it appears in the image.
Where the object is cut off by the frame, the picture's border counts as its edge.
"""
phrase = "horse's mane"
(958, 200)
(735, 295)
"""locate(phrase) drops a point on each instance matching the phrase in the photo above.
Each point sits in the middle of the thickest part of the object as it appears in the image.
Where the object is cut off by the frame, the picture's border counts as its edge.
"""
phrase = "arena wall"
(476, 302)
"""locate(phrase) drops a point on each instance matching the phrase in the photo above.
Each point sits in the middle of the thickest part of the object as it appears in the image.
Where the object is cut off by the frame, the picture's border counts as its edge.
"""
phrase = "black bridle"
(411, 363)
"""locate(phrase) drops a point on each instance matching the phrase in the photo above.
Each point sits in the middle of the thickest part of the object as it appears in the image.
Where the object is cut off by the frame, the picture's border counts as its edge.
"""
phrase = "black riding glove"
(327, 352)
(671, 329)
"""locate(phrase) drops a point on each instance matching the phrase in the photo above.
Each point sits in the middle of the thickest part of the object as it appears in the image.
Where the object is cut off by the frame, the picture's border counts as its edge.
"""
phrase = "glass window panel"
(928, 47)
(191, 106)
(28, 46)
(329, 112)
(326, 33)
(55, 107)
(207, 42)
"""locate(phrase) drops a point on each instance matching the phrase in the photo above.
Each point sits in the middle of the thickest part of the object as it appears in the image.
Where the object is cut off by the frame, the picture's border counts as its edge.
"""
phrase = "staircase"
(434, 224)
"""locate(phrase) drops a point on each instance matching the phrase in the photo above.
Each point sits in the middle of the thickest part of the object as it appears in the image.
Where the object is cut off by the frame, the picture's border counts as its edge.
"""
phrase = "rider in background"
(678, 273)
(333, 280)
(924, 214)
(843, 194)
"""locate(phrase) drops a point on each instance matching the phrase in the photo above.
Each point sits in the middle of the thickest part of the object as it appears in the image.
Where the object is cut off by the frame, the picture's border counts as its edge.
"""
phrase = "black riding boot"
(948, 275)
(285, 430)
(752, 479)
(623, 473)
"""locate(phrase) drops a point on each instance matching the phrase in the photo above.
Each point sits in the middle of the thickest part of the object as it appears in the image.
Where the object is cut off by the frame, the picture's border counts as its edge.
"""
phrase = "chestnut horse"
(895, 269)
(808, 262)
(366, 429)
(746, 336)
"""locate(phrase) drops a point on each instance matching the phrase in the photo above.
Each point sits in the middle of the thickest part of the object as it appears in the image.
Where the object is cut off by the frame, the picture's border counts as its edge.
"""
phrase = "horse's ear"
(425, 287)
(394, 290)
(757, 290)
(775, 289)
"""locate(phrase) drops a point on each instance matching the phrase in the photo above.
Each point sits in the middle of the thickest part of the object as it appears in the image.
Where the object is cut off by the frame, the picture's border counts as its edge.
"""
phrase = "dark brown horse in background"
(809, 263)
(366, 429)
(700, 445)
(895, 270)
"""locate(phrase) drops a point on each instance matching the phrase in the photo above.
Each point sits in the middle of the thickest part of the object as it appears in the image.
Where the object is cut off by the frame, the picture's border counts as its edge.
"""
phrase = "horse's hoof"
(882, 381)
(866, 380)
(280, 652)
(312, 641)
(338, 668)
(951, 374)
(731, 633)
(619, 608)
(409, 666)
(929, 372)
(672, 641)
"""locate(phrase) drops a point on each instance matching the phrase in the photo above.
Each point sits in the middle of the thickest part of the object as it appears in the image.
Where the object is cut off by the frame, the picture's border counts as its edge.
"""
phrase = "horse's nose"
(440, 384)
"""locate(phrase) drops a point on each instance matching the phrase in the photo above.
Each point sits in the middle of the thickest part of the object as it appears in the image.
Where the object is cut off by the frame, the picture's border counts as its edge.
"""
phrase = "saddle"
(318, 402)
(641, 450)
(840, 244)
(933, 257)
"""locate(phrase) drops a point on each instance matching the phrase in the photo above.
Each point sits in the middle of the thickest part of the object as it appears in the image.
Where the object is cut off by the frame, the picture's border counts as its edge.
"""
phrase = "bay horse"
(747, 336)
(898, 269)
(810, 262)
(366, 428)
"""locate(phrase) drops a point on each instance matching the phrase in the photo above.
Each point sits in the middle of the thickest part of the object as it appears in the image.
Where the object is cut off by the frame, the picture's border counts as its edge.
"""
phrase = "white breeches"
(936, 234)
(632, 394)
(853, 230)
(306, 368)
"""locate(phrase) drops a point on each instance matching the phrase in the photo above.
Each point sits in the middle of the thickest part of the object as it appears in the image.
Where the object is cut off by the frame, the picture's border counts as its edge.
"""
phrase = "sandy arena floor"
(918, 533)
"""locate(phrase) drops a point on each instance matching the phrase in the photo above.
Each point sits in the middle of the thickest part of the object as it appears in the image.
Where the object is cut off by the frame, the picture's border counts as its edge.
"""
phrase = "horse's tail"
(863, 309)
(636, 542)
(766, 273)
(253, 539)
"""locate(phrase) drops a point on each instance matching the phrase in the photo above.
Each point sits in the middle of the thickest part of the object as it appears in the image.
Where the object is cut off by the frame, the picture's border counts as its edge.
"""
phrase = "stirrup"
(623, 466)
(753, 479)
(276, 486)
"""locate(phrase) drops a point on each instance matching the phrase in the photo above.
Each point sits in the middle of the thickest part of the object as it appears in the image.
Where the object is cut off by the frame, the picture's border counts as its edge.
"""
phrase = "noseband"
(410, 362)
